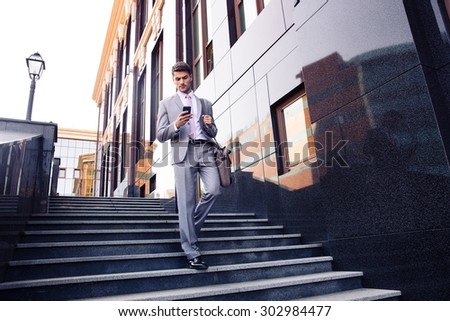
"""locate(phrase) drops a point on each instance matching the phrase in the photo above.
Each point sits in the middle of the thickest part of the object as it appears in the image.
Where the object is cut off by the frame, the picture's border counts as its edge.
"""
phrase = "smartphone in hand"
(187, 108)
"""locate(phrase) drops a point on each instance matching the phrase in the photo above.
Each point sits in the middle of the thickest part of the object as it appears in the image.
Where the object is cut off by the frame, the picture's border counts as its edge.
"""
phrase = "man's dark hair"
(181, 66)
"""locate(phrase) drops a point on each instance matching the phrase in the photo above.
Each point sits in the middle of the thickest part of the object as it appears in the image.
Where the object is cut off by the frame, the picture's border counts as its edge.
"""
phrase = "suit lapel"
(178, 101)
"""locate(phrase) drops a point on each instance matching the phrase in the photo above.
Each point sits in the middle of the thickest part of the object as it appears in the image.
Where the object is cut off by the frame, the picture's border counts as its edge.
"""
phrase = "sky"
(69, 35)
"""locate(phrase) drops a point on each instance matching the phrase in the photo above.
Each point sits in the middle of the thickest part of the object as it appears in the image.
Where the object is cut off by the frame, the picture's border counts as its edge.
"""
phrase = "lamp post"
(36, 66)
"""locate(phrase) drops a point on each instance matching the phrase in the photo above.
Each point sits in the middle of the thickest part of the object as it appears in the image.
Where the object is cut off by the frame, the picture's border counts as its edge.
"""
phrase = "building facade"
(75, 153)
(337, 113)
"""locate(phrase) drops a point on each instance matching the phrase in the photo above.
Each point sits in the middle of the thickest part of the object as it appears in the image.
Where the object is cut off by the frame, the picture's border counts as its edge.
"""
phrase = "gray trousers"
(199, 159)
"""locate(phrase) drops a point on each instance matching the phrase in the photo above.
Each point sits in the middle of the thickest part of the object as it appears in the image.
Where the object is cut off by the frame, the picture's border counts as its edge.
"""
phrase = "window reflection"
(62, 173)
(295, 139)
(76, 172)
(296, 131)
(296, 153)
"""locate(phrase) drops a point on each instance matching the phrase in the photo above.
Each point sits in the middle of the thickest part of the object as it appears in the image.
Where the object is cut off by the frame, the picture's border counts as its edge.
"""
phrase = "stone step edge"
(106, 202)
(112, 215)
(157, 273)
(102, 199)
(105, 258)
(106, 208)
(108, 222)
(138, 209)
(162, 213)
(160, 230)
(105, 198)
(231, 288)
(363, 294)
(153, 241)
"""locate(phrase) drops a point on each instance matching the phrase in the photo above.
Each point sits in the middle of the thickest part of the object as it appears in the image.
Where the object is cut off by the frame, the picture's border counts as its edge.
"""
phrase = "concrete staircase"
(10, 221)
(128, 249)
(8, 205)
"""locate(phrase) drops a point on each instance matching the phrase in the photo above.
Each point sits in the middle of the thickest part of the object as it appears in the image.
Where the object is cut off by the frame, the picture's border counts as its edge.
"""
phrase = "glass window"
(156, 94)
(68, 187)
(71, 152)
(197, 31)
(240, 17)
(209, 20)
(64, 151)
(197, 40)
(64, 142)
(63, 161)
(62, 173)
(76, 173)
(202, 48)
(141, 19)
(294, 134)
(245, 12)
(209, 58)
(71, 162)
(197, 74)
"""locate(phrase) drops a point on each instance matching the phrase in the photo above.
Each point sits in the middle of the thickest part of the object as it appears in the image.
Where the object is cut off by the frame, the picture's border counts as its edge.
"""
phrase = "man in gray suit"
(191, 135)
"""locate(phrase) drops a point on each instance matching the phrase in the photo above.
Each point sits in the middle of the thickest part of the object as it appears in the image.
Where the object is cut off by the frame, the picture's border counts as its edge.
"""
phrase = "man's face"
(182, 81)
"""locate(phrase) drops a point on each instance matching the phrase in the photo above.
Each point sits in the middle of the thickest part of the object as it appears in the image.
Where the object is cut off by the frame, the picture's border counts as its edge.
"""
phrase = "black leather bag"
(223, 162)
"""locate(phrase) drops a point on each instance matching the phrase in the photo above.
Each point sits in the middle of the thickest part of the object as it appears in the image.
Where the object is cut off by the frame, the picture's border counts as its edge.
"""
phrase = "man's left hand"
(207, 120)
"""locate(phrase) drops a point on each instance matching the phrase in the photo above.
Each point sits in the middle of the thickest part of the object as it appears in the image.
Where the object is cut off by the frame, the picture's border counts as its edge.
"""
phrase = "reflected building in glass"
(337, 114)
(75, 151)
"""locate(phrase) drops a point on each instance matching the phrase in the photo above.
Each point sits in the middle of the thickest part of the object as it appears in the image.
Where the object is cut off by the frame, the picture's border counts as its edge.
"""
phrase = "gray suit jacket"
(169, 109)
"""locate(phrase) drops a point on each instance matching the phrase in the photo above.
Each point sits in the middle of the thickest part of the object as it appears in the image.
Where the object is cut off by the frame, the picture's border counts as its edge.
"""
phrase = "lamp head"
(36, 65)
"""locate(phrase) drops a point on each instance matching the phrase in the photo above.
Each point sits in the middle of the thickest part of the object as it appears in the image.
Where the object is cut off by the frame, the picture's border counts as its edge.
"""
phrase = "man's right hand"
(182, 119)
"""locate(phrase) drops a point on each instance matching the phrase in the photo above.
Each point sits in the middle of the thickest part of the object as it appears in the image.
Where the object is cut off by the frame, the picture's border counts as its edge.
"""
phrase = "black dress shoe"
(197, 264)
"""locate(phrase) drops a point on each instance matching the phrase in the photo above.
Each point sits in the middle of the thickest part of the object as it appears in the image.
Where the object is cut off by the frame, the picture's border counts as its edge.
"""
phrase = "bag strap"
(215, 140)
(202, 103)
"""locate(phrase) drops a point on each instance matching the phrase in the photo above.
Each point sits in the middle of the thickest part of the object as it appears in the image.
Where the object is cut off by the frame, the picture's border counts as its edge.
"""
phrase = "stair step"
(133, 215)
(135, 224)
(77, 266)
(100, 248)
(110, 210)
(316, 270)
(133, 234)
(8, 205)
(274, 289)
(97, 216)
(129, 204)
(362, 294)
(111, 202)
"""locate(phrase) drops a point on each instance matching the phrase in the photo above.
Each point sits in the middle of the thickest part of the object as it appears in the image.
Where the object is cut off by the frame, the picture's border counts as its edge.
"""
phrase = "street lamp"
(36, 66)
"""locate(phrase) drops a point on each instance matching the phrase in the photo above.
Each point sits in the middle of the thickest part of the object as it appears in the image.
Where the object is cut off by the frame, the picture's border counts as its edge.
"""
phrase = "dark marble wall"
(375, 74)
(31, 145)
